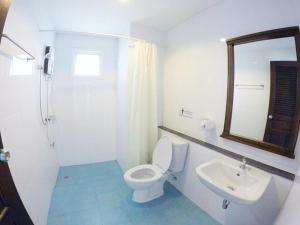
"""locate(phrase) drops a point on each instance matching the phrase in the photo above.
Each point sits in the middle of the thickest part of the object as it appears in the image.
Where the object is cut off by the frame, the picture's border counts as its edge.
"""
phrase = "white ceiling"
(113, 16)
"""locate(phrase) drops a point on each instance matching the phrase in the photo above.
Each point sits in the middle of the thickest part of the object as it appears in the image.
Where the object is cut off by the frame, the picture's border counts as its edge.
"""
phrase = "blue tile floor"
(96, 194)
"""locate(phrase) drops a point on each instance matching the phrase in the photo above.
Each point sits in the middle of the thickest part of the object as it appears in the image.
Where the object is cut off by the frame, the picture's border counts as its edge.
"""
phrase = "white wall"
(122, 104)
(196, 68)
(290, 212)
(196, 78)
(85, 107)
(33, 163)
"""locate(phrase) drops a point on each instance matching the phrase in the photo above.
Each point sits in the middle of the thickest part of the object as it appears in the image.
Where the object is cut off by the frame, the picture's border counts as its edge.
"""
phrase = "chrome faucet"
(243, 166)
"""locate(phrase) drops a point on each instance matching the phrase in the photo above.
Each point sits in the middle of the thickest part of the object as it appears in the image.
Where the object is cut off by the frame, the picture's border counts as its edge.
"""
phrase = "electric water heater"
(49, 60)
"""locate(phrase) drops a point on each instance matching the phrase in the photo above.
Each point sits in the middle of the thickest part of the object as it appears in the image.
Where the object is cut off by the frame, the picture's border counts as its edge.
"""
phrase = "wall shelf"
(11, 48)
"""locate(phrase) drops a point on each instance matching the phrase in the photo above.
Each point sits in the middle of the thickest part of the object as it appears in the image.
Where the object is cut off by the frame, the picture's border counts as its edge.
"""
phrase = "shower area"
(98, 99)
(87, 98)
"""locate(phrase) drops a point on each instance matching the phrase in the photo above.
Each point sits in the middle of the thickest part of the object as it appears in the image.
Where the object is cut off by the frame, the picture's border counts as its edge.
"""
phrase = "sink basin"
(226, 178)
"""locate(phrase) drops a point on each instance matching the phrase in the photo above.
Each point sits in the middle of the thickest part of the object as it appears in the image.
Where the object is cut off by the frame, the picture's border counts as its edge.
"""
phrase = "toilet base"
(149, 194)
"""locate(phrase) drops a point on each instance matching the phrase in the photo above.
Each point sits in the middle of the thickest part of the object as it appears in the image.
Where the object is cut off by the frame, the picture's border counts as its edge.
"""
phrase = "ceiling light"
(223, 39)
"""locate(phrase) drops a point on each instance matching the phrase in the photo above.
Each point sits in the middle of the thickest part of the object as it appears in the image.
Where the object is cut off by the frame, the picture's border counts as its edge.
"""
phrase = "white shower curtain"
(142, 102)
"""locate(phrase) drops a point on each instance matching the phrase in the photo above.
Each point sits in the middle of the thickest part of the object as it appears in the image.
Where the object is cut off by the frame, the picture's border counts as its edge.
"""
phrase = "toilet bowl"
(147, 181)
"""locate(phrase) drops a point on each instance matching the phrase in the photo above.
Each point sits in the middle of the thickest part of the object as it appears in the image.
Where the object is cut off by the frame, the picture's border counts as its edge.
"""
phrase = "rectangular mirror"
(263, 90)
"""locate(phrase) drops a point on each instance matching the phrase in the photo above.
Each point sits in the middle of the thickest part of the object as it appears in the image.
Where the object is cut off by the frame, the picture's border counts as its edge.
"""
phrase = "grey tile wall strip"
(233, 155)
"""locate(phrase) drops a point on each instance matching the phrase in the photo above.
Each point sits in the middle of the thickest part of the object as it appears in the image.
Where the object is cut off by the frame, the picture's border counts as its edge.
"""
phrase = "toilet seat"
(144, 174)
(148, 173)
(162, 154)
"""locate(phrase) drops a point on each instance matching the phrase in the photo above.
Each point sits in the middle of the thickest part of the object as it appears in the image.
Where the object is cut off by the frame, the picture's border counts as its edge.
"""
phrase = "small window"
(20, 65)
(87, 63)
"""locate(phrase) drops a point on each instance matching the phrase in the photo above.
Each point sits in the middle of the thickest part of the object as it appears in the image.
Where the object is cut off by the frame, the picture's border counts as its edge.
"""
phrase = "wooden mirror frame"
(261, 36)
(4, 6)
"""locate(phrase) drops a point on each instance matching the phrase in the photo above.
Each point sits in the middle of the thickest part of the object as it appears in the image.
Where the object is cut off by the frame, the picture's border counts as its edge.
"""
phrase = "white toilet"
(148, 180)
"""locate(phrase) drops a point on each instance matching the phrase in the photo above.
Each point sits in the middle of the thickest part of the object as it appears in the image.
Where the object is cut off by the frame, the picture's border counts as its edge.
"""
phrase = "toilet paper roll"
(207, 124)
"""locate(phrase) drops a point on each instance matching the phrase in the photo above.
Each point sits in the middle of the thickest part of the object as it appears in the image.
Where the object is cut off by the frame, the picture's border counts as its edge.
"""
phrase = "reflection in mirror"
(265, 90)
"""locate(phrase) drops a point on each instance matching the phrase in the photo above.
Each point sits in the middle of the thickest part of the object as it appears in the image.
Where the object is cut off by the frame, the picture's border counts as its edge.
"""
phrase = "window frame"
(77, 52)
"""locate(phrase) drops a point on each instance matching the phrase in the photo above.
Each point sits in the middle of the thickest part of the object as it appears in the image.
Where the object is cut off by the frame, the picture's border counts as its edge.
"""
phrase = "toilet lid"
(162, 155)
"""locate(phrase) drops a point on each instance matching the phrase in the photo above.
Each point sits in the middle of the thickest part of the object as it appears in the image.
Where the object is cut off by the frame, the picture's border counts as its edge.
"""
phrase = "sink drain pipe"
(225, 204)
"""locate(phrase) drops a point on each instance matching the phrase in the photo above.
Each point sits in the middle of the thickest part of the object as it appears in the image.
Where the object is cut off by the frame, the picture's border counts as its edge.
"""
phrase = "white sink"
(226, 178)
